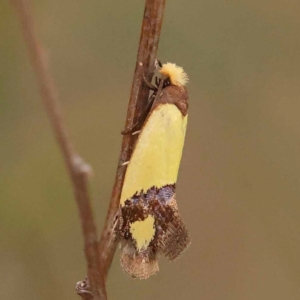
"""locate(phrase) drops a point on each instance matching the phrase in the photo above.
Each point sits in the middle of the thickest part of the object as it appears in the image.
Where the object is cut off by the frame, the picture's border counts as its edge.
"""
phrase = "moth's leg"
(136, 132)
(145, 113)
(129, 130)
(136, 127)
(158, 63)
(149, 84)
(157, 81)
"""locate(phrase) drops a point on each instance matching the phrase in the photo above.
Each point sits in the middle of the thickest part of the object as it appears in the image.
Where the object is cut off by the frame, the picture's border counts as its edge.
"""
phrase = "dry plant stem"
(147, 52)
(77, 168)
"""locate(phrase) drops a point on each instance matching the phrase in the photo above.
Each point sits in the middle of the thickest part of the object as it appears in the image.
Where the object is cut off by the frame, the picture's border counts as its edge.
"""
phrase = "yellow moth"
(149, 222)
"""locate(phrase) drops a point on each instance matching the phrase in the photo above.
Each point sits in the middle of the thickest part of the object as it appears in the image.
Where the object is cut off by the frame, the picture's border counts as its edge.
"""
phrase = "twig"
(151, 27)
(77, 168)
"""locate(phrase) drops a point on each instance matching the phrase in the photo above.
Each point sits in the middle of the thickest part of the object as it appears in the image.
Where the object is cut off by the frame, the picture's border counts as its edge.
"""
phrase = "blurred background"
(238, 188)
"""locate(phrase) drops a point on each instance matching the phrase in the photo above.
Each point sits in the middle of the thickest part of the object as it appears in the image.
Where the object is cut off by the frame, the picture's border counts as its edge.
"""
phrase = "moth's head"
(174, 73)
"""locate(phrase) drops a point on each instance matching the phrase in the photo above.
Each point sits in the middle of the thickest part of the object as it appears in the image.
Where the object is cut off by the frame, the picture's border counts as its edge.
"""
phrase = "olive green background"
(238, 187)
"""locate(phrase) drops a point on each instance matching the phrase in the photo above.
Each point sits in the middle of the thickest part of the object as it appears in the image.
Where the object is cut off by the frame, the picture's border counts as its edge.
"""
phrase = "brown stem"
(151, 27)
(77, 168)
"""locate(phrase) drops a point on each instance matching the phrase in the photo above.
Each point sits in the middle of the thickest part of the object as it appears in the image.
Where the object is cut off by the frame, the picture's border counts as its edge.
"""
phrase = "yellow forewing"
(156, 157)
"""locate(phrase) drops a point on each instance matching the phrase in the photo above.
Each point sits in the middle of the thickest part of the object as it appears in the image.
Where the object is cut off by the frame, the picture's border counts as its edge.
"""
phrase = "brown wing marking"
(175, 237)
(170, 236)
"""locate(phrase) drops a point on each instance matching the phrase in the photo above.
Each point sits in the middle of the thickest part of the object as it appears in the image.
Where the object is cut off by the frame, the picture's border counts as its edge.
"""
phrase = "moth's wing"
(154, 165)
(175, 238)
(156, 157)
(138, 264)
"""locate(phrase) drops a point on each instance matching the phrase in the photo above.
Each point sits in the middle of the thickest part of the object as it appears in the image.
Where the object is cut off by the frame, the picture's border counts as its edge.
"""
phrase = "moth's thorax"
(176, 95)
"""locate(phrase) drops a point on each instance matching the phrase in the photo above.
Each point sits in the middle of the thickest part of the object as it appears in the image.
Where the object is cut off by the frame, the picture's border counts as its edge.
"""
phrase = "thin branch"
(150, 33)
(77, 168)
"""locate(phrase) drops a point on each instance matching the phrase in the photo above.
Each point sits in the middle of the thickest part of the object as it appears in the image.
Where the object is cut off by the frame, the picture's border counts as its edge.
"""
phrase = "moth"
(149, 222)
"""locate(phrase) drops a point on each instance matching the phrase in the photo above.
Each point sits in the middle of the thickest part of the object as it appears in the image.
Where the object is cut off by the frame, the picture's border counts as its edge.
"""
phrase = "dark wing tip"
(175, 238)
(139, 265)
